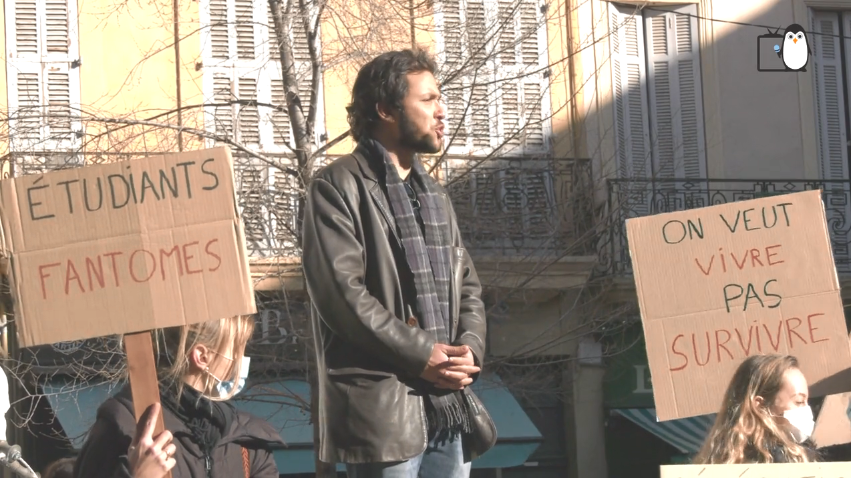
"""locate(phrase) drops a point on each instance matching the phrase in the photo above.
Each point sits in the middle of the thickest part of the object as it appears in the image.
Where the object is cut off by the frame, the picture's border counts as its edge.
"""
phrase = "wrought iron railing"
(635, 198)
(523, 206)
(528, 206)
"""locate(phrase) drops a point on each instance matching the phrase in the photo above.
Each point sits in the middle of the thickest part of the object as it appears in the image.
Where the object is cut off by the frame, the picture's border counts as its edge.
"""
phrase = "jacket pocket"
(356, 371)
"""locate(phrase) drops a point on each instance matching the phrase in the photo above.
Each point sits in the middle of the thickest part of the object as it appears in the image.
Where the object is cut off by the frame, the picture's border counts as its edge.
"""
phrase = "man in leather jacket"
(396, 302)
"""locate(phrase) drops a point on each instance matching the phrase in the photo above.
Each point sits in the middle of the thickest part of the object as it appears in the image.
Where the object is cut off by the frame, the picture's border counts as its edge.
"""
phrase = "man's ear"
(385, 112)
(199, 357)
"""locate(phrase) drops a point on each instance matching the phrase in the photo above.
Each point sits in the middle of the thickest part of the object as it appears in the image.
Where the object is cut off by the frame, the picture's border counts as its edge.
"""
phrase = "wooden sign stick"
(143, 376)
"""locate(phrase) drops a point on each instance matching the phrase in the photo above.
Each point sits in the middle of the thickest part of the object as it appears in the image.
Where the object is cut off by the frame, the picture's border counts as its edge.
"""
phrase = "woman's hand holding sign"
(151, 457)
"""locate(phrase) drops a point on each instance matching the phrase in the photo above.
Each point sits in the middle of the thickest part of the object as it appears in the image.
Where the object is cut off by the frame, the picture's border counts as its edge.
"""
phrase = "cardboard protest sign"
(718, 284)
(833, 424)
(125, 247)
(772, 470)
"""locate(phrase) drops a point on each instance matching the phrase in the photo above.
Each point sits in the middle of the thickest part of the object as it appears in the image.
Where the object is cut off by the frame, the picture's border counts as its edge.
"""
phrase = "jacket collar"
(245, 429)
(369, 162)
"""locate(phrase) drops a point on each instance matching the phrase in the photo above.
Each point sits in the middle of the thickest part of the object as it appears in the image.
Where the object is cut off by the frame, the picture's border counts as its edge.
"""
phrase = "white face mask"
(801, 419)
(224, 388)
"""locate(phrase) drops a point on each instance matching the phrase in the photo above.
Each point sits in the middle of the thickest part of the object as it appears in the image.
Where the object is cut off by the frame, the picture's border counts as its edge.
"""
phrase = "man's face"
(421, 119)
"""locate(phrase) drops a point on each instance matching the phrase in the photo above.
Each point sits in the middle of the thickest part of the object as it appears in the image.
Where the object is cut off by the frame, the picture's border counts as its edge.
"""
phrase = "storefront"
(636, 443)
(285, 405)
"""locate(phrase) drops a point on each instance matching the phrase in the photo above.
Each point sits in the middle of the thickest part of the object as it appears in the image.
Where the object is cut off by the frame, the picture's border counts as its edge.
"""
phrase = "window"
(43, 75)
(493, 56)
(658, 103)
(241, 62)
(830, 69)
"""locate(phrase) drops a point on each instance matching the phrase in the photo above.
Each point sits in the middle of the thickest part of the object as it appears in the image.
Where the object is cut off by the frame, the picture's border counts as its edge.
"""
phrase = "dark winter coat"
(372, 349)
(104, 452)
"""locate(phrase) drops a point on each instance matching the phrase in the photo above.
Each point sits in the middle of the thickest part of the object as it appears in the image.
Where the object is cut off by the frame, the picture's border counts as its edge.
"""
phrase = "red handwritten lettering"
(769, 255)
(43, 276)
(144, 263)
(211, 253)
(722, 345)
(169, 253)
(810, 326)
(684, 356)
(187, 257)
(71, 274)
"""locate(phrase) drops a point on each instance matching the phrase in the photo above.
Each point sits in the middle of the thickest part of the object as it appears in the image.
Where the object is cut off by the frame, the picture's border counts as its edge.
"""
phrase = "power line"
(744, 24)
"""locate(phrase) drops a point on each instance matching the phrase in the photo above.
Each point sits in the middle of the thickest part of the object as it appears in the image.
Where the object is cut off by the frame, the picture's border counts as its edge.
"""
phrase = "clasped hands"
(450, 366)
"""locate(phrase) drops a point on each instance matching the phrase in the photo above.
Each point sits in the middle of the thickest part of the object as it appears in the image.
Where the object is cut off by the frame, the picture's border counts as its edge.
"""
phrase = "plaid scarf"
(428, 253)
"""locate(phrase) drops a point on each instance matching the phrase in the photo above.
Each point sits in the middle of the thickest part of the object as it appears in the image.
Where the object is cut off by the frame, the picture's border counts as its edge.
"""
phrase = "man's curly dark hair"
(384, 80)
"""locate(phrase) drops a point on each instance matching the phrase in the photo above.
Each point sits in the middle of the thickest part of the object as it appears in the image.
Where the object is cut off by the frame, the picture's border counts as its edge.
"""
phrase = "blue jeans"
(443, 458)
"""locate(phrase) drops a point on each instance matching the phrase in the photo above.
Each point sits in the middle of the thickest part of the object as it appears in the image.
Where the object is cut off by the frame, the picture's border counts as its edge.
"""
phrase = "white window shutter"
(56, 27)
(510, 116)
(59, 103)
(630, 101)
(23, 34)
(281, 128)
(27, 116)
(217, 33)
(247, 121)
(676, 103)
(220, 117)
(449, 18)
(534, 93)
(244, 29)
(830, 98)
(43, 87)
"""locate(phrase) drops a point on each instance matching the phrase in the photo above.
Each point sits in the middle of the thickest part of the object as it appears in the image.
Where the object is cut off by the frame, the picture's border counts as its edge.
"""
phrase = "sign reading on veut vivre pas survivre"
(718, 284)
(125, 247)
(764, 470)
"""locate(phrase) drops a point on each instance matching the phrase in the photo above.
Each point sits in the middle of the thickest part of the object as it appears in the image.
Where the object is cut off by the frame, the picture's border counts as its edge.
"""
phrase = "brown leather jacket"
(370, 352)
(104, 452)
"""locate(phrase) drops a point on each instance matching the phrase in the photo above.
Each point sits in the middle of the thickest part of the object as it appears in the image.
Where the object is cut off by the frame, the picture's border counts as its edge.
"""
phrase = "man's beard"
(410, 138)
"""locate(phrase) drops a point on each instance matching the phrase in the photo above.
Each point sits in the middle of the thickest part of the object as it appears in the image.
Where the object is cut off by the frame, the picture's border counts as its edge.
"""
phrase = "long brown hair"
(176, 342)
(745, 431)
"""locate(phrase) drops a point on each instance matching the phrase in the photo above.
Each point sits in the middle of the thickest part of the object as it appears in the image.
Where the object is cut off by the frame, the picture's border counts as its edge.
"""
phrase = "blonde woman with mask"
(211, 439)
(765, 417)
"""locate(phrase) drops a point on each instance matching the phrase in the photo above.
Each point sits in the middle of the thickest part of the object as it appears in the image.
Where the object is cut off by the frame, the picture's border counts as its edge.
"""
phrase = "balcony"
(635, 198)
(514, 216)
(526, 222)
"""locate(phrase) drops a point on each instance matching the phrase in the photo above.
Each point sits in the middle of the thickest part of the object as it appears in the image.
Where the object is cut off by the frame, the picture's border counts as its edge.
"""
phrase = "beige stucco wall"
(758, 125)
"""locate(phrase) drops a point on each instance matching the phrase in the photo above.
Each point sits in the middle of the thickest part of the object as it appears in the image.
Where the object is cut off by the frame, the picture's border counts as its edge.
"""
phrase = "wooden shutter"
(632, 135)
(28, 114)
(59, 104)
(534, 94)
(248, 117)
(281, 128)
(510, 114)
(285, 207)
(252, 185)
(43, 86)
(244, 29)
(218, 13)
(676, 103)
(830, 98)
(25, 39)
(57, 27)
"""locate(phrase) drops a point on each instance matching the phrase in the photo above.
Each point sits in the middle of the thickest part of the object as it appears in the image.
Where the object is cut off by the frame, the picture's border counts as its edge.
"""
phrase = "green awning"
(285, 403)
(686, 435)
